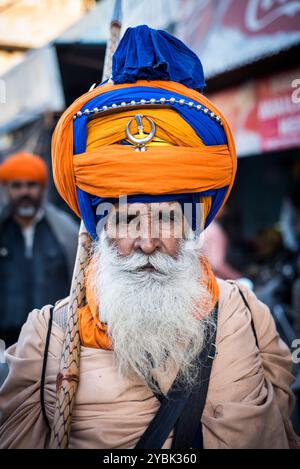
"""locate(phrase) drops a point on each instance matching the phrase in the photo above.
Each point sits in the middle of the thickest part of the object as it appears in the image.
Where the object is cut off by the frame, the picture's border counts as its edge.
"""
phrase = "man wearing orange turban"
(37, 244)
(24, 166)
(147, 161)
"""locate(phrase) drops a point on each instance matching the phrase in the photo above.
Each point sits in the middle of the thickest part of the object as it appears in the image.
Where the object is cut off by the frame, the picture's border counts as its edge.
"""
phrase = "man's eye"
(125, 219)
(33, 185)
(166, 217)
(130, 218)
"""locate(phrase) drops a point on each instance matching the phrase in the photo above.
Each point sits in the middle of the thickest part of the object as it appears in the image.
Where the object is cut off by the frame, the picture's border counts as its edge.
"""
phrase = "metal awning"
(30, 89)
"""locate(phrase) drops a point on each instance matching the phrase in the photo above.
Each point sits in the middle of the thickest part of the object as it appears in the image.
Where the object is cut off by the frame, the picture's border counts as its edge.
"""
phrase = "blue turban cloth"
(148, 54)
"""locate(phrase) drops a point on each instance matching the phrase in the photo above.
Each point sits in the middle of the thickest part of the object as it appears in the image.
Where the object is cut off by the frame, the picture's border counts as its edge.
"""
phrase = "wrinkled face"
(147, 228)
(148, 284)
(25, 197)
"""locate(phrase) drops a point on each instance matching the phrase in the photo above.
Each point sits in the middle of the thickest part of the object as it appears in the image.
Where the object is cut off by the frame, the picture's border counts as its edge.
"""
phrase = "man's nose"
(24, 191)
(147, 244)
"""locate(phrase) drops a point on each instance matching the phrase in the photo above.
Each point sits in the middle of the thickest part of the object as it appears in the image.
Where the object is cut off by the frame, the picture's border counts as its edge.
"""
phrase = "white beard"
(151, 315)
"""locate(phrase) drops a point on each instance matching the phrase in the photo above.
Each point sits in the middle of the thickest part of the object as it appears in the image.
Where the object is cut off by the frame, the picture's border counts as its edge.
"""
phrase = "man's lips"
(148, 267)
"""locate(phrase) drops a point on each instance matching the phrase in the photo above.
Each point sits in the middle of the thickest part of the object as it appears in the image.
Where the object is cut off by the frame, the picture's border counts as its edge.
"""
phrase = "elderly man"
(154, 312)
(37, 244)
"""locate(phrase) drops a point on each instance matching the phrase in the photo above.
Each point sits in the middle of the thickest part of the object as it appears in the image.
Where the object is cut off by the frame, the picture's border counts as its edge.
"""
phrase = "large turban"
(24, 165)
(154, 74)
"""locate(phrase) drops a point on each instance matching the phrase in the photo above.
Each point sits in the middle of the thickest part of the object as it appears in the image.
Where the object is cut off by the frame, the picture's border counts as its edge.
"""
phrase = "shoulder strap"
(58, 314)
(248, 307)
(182, 406)
(43, 375)
(252, 323)
(188, 430)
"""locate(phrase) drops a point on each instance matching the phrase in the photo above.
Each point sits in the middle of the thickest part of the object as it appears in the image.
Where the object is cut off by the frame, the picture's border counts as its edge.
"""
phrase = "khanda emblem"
(141, 139)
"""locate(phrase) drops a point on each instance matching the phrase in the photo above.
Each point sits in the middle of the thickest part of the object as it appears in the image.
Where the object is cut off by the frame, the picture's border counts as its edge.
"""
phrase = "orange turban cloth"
(193, 159)
(24, 166)
(89, 161)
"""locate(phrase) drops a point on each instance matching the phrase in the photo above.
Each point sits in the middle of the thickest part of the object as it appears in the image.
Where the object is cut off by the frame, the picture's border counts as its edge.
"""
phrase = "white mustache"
(162, 263)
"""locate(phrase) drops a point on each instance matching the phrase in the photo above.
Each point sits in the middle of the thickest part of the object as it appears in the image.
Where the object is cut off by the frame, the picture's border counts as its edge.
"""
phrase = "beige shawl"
(248, 405)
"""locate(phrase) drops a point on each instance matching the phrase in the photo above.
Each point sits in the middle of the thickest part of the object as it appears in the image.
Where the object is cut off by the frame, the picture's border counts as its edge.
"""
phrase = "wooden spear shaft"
(68, 376)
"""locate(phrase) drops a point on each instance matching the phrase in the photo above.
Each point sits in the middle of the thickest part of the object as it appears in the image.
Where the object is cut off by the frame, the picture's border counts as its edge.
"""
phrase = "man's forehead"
(146, 208)
(21, 180)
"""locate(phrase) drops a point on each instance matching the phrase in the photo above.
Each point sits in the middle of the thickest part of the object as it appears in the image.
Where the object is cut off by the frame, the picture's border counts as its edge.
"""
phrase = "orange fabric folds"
(108, 169)
(117, 170)
(170, 126)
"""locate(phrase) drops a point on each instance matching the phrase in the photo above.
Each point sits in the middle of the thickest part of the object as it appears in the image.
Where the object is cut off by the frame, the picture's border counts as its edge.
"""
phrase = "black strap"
(182, 407)
(188, 430)
(188, 422)
(248, 307)
(43, 375)
(252, 323)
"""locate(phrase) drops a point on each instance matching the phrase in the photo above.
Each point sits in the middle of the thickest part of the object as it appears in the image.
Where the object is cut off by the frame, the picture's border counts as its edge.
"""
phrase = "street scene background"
(52, 51)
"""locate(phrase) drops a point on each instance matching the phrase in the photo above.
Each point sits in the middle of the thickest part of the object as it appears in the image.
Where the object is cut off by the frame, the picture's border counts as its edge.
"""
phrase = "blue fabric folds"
(88, 205)
(210, 131)
(149, 54)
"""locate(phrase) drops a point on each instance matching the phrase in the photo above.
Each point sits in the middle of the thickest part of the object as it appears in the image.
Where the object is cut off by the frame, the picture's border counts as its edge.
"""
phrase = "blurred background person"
(290, 220)
(37, 244)
(216, 249)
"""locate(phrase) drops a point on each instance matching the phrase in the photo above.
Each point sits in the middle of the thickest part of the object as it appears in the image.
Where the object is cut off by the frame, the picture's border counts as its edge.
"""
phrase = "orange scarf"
(93, 331)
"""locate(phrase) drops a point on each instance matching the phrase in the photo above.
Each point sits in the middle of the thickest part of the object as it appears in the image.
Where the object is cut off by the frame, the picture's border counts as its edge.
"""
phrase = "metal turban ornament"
(142, 140)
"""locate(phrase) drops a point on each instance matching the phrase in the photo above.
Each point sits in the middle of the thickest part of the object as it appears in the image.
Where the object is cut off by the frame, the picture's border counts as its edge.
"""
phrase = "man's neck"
(24, 222)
